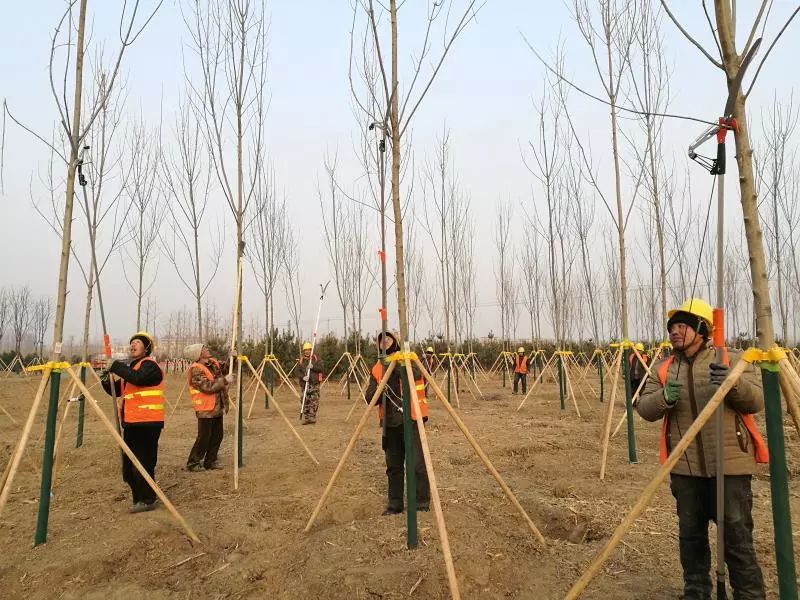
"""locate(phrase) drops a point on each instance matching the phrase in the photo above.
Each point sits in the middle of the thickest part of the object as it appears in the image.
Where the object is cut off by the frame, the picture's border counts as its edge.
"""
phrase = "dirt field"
(252, 540)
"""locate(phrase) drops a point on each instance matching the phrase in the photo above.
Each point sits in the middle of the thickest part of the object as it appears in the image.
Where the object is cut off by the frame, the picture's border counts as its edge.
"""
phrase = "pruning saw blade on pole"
(313, 345)
(717, 167)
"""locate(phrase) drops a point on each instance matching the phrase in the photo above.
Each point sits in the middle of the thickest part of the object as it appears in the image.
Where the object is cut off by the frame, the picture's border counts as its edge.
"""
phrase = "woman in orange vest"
(390, 407)
(681, 387)
(208, 388)
(140, 393)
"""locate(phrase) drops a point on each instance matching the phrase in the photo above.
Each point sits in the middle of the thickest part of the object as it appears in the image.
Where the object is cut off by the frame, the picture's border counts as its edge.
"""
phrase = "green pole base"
(779, 485)
(47, 461)
(632, 458)
(240, 404)
(81, 412)
(411, 477)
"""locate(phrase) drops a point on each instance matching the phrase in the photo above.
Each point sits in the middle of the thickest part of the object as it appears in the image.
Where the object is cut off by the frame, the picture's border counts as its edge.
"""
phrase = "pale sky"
(483, 95)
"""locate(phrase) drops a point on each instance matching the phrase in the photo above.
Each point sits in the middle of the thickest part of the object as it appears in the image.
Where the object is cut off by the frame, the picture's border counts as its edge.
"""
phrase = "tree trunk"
(66, 238)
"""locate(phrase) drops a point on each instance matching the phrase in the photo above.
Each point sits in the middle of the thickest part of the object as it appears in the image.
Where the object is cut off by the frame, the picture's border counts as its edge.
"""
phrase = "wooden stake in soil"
(426, 453)
(350, 445)
(649, 491)
(280, 411)
(610, 414)
(479, 451)
(124, 447)
(23, 440)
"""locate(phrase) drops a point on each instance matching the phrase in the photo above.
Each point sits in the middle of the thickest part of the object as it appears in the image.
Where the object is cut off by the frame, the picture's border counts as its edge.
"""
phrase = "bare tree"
(185, 180)
(73, 121)
(20, 302)
(231, 100)
(5, 299)
(41, 314)
(268, 237)
(291, 281)
(530, 258)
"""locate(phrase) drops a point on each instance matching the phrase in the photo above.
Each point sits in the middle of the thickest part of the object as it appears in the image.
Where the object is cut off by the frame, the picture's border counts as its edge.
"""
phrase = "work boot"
(215, 466)
(423, 507)
(196, 468)
(392, 511)
(139, 507)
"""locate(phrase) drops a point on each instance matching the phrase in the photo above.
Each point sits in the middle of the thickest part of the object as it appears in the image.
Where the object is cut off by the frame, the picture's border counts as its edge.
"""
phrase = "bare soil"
(253, 545)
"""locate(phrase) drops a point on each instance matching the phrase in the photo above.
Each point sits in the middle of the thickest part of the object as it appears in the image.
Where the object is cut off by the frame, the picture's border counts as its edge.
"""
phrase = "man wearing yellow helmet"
(681, 387)
(313, 378)
(140, 393)
(520, 370)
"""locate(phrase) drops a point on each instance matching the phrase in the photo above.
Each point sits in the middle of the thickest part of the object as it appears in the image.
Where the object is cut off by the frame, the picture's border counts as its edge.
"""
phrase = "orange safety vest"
(313, 359)
(520, 366)
(419, 384)
(202, 402)
(761, 450)
(143, 404)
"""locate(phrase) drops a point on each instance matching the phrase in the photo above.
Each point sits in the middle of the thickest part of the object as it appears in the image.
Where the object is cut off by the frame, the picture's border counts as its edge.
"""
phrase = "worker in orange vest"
(311, 382)
(681, 387)
(520, 370)
(390, 407)
(208, 389)
(140, 393)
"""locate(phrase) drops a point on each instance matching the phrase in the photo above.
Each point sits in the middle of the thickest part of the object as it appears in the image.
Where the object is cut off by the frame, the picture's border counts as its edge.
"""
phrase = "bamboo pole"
(16, 458)
(333, 370)
(435, 500)
(57, 445)
(124, 447)
(482, 455)
(610, 414)
(178, 400)
(281, 413)
(569, 386)
(285, 376)
(791, 383)
(649, 491)
(350, 445)
(536, 382)
(12, 419)
(254, 386)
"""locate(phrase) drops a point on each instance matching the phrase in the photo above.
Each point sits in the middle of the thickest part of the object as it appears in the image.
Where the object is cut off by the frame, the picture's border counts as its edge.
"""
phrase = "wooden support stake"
(435, 500)
(661, 475)
(282, 414)
(124, 447)
(536, 381)
(610, 414)
(13, 464)
(350, 445)
(482, 455)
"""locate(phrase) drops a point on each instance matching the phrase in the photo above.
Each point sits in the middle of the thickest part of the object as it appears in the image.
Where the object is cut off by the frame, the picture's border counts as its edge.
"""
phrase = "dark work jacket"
(148, 374)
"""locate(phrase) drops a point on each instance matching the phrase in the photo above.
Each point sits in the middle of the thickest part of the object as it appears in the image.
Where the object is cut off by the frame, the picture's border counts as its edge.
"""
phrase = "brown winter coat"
(216, 386)
(695, 392)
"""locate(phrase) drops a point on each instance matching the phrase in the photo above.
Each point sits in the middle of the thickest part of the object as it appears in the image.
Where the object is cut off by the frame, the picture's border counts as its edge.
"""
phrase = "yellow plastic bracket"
(242, 358)
(564, 352)
(398, 356)
(270, 357)
(53, 366)
(773, 355)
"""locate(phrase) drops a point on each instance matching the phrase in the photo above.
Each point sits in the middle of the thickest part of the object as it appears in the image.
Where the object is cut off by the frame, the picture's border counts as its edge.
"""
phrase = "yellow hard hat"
(429, 349)
(520, 349)
(697, 307)
(640, 347)
(307, 346)
(146, 339)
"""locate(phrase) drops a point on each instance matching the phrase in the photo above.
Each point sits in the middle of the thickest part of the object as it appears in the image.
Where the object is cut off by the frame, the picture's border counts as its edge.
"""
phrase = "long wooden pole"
(124, 447)
(610, 414)
(648, 493)
(350, 445)
(272, 402)
(23, 440)
(435, 500)
(481, 454)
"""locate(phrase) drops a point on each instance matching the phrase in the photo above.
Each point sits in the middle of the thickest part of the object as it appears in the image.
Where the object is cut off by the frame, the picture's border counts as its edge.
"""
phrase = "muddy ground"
(253, 545)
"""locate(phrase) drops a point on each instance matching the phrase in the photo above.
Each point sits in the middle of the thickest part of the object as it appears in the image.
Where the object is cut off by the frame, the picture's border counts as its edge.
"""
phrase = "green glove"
(672, 391)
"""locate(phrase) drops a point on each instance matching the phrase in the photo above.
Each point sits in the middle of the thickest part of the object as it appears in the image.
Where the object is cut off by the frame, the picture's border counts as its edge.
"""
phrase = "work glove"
(717, 373)
(117, 367)
(672, 392)
(104, 375)
(229, 378)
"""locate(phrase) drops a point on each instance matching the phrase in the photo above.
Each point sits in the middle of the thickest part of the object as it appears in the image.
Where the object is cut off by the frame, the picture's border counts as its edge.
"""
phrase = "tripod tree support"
(124, 447)
(245, 360)
(752, 355)
(406, 357)
(19, 450)
(481, 454)
(350, 445)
